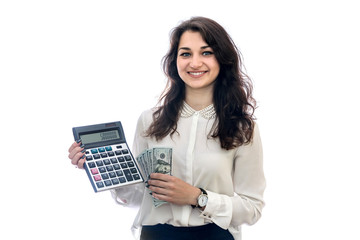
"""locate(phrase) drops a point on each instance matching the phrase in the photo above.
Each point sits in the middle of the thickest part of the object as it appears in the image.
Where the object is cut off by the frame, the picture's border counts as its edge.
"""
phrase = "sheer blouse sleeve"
(249, 185)
(132, 195)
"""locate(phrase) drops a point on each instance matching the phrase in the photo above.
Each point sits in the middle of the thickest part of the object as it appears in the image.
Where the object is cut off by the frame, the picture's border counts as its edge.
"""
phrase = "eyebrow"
(188, 49)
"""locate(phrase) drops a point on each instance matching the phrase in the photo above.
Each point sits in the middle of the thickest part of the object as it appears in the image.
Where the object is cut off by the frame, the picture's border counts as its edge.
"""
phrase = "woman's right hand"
(76, 155)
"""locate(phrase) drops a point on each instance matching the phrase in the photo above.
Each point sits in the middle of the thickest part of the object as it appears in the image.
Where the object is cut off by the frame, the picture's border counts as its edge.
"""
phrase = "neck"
(198, 100)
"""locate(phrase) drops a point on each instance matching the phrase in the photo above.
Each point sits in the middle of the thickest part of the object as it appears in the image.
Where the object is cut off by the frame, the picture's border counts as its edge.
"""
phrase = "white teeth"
(196, 73)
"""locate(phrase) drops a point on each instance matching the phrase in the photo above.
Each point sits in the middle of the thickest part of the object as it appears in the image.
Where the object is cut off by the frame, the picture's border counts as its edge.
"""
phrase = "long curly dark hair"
(232, 97)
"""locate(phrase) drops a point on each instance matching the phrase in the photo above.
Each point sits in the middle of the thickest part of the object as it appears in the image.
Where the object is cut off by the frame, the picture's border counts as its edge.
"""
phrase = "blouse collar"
(207, 113)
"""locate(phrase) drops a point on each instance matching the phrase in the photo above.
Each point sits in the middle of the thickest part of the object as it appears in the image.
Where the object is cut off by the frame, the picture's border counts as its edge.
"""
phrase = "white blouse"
(234, 179)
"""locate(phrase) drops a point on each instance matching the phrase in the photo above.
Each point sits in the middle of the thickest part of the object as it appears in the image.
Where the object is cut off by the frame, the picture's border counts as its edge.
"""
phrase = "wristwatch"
(202, 199)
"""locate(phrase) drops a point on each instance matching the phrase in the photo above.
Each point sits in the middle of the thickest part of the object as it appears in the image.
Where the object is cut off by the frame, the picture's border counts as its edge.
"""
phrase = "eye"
(207, 53)
(185, 54)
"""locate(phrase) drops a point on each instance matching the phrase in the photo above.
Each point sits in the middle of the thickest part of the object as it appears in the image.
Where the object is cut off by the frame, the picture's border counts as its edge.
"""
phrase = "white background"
(72, 63)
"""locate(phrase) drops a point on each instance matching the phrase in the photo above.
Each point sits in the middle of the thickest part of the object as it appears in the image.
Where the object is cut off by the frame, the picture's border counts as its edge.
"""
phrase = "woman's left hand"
(172, 189)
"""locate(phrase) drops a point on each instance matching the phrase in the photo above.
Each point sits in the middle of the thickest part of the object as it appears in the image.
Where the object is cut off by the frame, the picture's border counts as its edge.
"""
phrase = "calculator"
(109, 162)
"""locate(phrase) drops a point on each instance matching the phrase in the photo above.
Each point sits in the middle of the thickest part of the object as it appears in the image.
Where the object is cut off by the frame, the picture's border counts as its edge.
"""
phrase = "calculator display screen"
(99, 136)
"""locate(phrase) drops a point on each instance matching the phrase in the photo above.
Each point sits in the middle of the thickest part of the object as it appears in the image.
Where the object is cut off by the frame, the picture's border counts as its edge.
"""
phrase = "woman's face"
(196, 62)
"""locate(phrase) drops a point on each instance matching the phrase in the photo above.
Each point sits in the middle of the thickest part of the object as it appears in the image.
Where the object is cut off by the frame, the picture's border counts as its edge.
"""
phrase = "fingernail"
(150, 193)
(83, 156)
(83, 150)
(82, 145)
(147, 185)
(79, 140)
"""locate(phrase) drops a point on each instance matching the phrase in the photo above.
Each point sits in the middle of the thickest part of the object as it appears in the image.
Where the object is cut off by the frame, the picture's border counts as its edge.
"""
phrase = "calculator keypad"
(111, 167)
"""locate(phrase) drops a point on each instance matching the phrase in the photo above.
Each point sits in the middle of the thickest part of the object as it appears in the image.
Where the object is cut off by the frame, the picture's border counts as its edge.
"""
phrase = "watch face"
(202, 200)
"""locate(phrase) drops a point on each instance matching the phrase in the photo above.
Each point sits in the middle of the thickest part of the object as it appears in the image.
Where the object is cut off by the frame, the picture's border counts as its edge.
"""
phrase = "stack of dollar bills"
(155, 160)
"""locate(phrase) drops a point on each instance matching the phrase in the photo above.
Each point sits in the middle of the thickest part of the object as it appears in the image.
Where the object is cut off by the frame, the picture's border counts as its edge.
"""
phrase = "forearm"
(224, 210)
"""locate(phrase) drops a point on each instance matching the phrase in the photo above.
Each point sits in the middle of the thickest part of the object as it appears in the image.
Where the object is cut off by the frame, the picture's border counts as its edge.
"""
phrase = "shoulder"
(256, 131)
(256, 139)
(252, 149)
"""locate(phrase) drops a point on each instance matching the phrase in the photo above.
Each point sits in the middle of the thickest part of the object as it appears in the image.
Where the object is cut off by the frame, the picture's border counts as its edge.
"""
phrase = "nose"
(196, 62)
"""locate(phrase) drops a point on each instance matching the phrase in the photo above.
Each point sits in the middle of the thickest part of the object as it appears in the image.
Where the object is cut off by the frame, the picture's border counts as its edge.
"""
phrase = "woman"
(205, 115)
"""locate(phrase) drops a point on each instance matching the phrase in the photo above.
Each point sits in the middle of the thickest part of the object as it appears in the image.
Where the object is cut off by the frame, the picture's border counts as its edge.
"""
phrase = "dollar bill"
(141, 164)
(162, 160)
(149, 157)
(161, 163)
(156, 160)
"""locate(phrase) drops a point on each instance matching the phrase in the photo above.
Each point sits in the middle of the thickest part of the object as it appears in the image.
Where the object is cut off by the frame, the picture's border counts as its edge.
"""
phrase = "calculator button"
(121, 159)
(96, 156)
(133, 170)
(136, 176)
(111, 154)
(119, 146)
(99, 163)
(101, 149)
(97, 177)
(125, 151)
(106, 161)
(100, 184)
(93, 151)
(128, 175)
(112, 174)
(94, 171)
(88, 158)
(123, 165)
(119, 173)
(118, 152)
(103, 155)
(105, 176)
(91, 165)
(128, 158)
(130, 164)
(116, 166)
(113, 160)
(108, 148)
(109, 168)
(102, 169)
(107, 183)
(115, 181)
(122, 179)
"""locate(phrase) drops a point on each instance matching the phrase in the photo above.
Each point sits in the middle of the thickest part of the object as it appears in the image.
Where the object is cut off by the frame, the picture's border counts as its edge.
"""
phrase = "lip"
(197, 74)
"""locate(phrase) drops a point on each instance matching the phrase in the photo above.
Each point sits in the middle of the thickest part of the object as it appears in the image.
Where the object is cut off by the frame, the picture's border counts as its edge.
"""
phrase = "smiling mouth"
(197, 73)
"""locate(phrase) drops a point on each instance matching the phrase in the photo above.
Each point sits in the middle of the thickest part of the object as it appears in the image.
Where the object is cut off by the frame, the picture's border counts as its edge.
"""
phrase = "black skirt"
(168, 232)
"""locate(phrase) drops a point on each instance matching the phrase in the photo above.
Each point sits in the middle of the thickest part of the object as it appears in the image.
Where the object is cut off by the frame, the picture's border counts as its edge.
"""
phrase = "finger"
(157, 183)
(160, 176)
(74, 145)
(76, 158)
(160, 196)
(158, 190)
(75, 151)
(81, 162)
